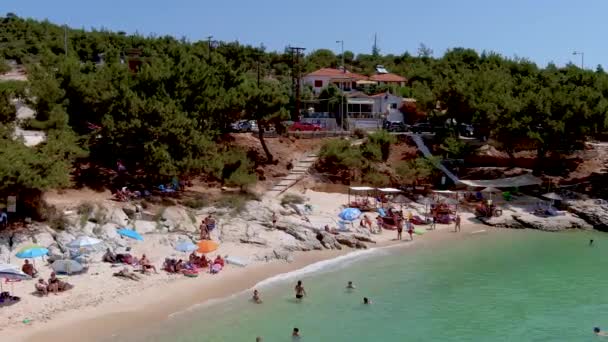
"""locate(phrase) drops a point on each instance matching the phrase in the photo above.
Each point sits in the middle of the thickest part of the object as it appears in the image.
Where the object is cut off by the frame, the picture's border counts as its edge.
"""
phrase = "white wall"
(310, 80)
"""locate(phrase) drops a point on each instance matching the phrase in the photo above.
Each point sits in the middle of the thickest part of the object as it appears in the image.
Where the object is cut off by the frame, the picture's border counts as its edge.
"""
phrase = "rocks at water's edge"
(594, 212)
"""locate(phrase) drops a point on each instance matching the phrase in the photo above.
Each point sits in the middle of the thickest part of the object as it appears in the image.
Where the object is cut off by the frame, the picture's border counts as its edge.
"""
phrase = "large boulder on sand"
(145, 227)
(43, 239)
(63, 239)
(117, 216)
(178, 219)
(553, 223)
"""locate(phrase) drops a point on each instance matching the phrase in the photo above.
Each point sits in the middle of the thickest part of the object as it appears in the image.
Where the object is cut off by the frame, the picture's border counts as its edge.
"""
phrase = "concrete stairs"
(299, 170)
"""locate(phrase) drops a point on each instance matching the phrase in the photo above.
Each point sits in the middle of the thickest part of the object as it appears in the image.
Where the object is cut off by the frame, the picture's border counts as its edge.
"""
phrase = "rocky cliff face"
(595, 212)
(252, 227)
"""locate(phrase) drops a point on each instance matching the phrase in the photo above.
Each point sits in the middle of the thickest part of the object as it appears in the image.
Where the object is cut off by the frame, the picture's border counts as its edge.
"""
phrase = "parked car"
(422, 127)
(244, 126)
(304, 127)
(466, 130)
(395, 126)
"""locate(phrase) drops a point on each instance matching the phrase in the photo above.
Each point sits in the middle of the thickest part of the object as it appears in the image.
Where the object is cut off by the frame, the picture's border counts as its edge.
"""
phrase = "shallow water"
(505, 286)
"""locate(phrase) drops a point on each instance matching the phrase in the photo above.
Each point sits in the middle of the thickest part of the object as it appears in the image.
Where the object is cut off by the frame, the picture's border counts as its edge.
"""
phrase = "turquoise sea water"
(508, 286)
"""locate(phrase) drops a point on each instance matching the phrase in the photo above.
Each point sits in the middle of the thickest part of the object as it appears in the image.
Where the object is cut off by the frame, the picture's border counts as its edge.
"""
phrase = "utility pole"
(65, 39)
(295, 59)
(209, 48)
(342, 95)
(582, 54)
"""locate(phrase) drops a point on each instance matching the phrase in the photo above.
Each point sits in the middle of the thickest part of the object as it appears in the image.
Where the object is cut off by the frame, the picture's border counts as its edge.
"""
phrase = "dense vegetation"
(167, 117)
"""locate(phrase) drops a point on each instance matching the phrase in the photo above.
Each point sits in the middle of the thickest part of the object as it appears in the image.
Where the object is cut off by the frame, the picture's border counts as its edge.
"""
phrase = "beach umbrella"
(8, 267)
(14, 275)
(84, 242)
(490, 190)
(67, 266)
(207, 246)
(32, 252)
(186, 246)
(553, 196)
(350, 214)
(130, 234)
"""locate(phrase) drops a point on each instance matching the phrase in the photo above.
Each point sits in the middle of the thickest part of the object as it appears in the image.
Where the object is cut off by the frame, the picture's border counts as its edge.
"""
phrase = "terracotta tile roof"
(387, 78)
(337, 73)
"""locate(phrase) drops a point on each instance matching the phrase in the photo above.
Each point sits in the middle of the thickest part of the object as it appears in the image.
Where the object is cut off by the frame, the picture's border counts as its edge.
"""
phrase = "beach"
(104, 306)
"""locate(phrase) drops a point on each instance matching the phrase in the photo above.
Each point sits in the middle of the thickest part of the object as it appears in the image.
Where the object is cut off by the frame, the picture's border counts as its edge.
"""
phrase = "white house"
(322, 78)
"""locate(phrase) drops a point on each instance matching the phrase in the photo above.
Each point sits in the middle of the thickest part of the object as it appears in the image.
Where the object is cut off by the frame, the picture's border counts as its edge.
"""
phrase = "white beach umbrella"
(67, 266)
(84, 242)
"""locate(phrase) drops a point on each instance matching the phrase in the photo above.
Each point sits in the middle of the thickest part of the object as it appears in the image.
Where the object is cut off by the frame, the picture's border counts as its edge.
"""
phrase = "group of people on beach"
(300, 293)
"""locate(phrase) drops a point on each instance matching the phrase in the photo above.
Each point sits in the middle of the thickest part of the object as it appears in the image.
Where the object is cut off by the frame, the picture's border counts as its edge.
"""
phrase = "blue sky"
(542, 30)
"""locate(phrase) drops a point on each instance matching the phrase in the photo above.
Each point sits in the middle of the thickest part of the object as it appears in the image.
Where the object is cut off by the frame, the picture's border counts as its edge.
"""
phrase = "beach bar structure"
(362, 196)
(387, 194)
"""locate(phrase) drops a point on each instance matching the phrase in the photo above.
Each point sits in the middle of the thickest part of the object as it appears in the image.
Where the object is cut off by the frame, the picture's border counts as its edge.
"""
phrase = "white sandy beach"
(102, 305)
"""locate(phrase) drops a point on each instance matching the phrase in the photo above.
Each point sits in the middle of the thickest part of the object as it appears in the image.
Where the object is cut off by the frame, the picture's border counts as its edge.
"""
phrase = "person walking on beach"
(399, 228)
(434, 223)
(457, 224)
(410, 230)
(300, 291)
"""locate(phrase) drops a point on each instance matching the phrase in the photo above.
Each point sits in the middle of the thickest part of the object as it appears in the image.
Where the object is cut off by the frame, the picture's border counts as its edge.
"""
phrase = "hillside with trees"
(161, 106)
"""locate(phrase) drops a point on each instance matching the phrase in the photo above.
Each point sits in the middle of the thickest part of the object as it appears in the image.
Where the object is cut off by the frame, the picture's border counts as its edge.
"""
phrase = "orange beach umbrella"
(207, 246)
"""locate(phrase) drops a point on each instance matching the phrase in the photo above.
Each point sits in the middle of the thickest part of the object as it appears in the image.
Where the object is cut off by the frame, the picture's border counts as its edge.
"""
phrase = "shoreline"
(154, 304)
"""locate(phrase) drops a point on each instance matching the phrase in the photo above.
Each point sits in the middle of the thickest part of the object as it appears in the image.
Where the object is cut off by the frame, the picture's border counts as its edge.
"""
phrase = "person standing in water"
(256, 297)
(295, 333)
(300, 291)
(366, 301)
(457, 224)
(591, 242)
(350, 285)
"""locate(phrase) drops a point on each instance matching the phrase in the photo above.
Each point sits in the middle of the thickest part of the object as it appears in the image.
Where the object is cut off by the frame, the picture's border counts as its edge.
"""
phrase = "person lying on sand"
(146, 264)
(42, 287)
(125, 273)
(29, 269)
(256, 297)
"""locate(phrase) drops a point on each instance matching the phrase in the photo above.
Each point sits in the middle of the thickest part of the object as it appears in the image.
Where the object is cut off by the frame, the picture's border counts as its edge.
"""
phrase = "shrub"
(375, 178)
(85, 209)
(292, 199)
(359, 133)
(196, 202)
(235, 202)
(57, 220)
(384, 140)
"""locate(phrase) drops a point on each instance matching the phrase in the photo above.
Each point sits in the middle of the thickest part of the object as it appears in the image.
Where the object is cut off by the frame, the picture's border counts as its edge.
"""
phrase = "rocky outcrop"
(595, 212)
(350, 241)
(178, 219)
(553, 223)
(145, 227)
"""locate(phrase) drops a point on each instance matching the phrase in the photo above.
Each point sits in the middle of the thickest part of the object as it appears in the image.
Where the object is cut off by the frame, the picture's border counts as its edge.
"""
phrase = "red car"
(305, 127)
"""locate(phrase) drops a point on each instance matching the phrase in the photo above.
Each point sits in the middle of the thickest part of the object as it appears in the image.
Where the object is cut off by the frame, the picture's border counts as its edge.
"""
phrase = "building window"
(393, 105)
(318, 84)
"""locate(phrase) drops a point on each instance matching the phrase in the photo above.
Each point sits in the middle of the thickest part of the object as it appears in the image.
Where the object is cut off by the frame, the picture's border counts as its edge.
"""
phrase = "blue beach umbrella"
(350, 214)
(130, 234)
(186, 246)
(32, 252)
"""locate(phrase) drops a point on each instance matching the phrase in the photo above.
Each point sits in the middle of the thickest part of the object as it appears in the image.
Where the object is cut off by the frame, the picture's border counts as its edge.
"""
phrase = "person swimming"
(295, 334)
(366, 300)
(350, 285)
(591, 242)
(599, 332)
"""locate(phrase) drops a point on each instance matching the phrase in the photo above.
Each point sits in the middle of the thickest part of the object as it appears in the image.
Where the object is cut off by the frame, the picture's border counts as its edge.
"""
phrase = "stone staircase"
(299, 170)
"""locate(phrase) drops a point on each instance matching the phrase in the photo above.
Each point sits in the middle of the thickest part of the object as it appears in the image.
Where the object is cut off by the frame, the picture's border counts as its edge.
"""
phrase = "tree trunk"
(541, 152)
(269, 158)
